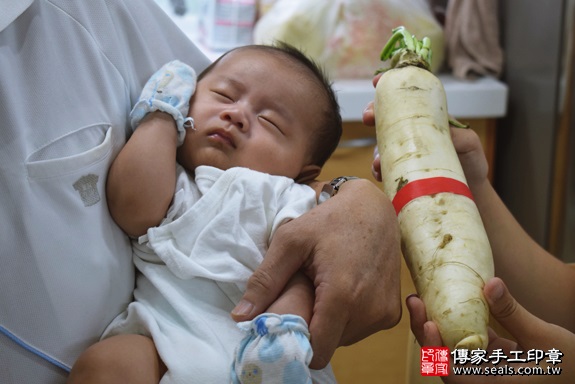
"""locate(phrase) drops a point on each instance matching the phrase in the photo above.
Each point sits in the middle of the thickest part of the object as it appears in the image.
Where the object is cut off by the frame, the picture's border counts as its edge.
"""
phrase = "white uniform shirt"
(70, 72)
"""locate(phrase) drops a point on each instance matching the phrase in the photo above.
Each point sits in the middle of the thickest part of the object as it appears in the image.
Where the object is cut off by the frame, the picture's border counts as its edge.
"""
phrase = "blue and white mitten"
(275, 350)
(168, 90)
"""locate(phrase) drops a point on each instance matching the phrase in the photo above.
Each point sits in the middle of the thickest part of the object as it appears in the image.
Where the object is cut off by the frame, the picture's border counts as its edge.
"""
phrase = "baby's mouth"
(223, 137)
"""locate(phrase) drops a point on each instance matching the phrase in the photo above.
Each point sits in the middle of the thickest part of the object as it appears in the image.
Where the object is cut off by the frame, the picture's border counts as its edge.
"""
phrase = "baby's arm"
(277, 344)
(142, 179)
(297, 298)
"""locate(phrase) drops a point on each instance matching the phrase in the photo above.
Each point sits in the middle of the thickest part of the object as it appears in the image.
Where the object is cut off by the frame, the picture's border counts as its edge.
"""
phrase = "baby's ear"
(308, 174)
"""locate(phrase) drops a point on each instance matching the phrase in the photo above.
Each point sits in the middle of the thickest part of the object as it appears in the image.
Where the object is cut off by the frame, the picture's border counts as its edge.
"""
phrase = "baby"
(201, 194)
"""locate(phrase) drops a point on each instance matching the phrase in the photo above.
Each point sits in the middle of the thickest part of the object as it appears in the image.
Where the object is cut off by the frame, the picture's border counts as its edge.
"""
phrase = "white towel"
(472, 35)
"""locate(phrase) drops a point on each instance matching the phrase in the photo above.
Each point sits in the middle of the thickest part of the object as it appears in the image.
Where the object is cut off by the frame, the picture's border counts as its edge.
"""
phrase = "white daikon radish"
(443, 239)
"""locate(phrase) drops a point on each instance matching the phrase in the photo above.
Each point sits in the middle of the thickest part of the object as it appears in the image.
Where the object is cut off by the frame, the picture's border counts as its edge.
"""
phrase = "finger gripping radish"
(443, 239)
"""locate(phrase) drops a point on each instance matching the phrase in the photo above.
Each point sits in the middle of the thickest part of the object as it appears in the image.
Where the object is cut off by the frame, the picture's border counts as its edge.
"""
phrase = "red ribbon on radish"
(427, 187)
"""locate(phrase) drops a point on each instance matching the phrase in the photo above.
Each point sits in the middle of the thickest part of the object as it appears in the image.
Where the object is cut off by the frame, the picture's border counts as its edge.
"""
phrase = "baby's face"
(252, 110)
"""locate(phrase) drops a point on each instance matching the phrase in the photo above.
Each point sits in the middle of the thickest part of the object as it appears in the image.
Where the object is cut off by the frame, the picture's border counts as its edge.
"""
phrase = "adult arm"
(349, 247)
(543, 284)
(540, 281)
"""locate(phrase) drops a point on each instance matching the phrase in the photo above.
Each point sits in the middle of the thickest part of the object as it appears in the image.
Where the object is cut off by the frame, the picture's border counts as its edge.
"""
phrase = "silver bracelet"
(330, 189)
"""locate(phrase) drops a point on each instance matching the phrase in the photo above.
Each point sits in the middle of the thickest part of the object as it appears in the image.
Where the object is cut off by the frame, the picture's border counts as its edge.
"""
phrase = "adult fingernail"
(410, 296)
(497, 292)
(243, 308)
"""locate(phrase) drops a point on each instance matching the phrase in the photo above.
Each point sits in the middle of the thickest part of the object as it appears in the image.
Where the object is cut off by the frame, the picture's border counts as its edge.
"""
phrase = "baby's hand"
(168, 90)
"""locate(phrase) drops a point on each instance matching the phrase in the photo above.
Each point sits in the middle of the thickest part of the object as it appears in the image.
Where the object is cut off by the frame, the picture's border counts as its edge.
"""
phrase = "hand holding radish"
(543, 283)
(529, 332)
(469, 151)
(443, 238)
(465, 141)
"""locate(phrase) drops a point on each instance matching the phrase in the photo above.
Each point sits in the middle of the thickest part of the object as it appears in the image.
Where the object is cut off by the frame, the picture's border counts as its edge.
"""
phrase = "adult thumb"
(520, 323)
(531, 332)
(268, 280)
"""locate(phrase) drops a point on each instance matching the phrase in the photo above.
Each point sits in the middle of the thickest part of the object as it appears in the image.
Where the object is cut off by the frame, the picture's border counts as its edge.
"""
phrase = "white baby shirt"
(195, 265)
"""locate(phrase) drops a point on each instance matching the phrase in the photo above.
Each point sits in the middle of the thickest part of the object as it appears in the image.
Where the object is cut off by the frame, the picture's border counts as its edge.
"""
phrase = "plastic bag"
(347, 36)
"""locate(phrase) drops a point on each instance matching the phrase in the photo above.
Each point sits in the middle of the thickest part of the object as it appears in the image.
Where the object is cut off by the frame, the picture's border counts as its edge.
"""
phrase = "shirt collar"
(11, 9)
